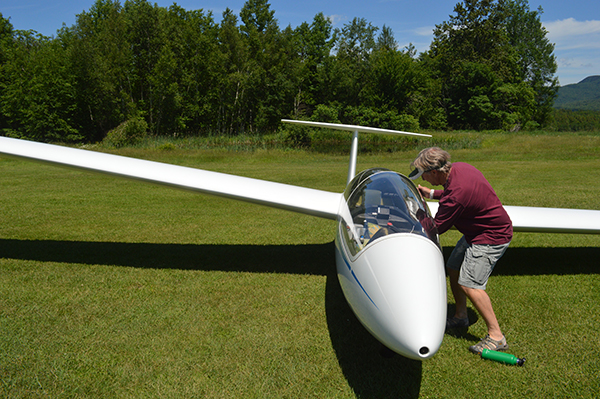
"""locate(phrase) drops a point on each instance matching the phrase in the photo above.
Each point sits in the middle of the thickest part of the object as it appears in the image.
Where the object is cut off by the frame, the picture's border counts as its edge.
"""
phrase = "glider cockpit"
(382, 202)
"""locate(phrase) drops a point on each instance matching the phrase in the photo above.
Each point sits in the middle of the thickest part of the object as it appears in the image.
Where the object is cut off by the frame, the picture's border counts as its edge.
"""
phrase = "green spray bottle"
(505, 358)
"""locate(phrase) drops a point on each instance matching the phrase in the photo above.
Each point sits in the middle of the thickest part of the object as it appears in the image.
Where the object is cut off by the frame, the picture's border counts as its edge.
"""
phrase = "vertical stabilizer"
(353, 157)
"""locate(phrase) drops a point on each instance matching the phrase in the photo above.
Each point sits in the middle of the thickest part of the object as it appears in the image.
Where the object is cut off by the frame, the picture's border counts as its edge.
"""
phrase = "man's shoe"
(488, 343)
(454, 322)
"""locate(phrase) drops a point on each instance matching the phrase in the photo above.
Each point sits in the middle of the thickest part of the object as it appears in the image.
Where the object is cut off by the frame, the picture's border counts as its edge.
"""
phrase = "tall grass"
(113, 288)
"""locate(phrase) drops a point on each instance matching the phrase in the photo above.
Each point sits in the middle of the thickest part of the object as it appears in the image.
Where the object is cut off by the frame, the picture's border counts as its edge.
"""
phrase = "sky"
(572, 25)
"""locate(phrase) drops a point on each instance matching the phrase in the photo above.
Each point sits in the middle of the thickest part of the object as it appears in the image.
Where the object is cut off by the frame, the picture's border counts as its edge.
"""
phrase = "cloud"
(571, 27)
(424, 31)
(571, 34)
(336, 19)
(576, 48)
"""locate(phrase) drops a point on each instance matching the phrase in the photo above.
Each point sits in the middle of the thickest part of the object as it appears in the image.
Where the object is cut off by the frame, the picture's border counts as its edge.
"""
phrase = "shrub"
(296, 136)
(326, 113)
(385, 119)
(130, 132)
(167, 147)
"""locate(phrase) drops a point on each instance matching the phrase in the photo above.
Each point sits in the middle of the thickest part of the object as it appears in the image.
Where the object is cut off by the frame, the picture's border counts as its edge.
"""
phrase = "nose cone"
(397, 288)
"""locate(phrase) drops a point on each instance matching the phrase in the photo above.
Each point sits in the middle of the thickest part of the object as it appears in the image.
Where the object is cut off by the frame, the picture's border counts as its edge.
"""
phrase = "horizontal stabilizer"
(354, 128)
(299, 199)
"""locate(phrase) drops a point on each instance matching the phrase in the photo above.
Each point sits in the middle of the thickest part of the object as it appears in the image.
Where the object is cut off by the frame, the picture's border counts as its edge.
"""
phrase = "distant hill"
(584, 95)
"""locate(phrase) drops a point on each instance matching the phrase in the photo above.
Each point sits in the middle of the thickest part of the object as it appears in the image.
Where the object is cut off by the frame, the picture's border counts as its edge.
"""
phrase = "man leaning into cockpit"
(469, 203)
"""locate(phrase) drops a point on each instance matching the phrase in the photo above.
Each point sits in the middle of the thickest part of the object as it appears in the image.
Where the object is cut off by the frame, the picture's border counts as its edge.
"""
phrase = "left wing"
(309, 201)
(548, 220)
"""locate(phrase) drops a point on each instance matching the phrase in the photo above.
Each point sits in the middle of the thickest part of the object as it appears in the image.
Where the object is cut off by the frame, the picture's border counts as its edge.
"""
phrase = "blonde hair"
(433, 158)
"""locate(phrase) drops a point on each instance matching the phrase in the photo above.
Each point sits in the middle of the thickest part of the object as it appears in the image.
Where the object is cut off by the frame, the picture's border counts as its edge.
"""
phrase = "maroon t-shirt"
(469, 203)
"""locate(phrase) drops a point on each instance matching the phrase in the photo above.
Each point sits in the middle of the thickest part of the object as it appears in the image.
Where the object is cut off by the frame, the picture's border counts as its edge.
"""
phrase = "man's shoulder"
(464, 166)
(468, 172)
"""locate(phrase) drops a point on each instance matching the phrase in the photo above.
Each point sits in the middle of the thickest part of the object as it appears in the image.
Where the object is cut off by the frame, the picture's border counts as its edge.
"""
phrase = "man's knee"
(469, 290)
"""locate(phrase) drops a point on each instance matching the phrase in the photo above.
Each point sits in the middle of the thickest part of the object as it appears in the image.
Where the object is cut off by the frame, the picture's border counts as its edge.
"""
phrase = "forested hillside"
(582, 96)
(178, 72)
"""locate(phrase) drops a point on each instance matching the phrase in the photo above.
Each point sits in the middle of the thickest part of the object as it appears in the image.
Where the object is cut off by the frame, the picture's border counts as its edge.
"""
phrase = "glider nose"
(413, 290)
(397, 289)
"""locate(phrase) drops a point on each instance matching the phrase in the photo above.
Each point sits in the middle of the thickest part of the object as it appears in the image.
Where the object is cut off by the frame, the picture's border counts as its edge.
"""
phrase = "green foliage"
(564, 120)
(327, 114)
(495, 65)
(37, 90)
(167, 147)
(535, 58)
(297, 136)
(384, 119)
(128, 133)
(489, 67)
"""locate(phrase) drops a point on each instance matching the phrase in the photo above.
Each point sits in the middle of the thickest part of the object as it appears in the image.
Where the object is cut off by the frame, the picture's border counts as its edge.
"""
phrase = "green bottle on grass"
(505, 358)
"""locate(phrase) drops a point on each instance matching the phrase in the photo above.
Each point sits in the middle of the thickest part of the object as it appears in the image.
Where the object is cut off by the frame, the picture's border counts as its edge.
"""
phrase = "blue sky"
(573, 25)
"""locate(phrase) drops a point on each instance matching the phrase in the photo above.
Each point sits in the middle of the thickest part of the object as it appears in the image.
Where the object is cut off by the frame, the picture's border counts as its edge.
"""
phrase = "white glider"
(379, 238)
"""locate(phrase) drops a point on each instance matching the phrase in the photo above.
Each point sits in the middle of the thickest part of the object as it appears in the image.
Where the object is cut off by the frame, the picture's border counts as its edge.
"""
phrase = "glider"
(390, 268)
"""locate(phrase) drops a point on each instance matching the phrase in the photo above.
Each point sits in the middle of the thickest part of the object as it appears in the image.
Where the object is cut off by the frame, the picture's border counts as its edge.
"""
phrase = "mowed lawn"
(112, 288)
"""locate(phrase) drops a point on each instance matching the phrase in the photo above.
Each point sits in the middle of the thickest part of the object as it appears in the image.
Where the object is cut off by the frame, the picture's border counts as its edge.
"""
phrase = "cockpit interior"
(383, 202)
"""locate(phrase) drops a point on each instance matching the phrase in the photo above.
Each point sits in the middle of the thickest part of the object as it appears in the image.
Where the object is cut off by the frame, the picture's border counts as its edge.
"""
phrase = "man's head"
(429, 163)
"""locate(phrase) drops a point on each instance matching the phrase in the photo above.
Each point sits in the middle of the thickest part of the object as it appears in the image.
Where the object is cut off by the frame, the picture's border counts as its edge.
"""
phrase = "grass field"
(112, 288)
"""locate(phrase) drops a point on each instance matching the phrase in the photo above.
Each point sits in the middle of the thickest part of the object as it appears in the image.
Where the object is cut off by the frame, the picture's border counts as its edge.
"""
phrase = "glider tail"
(355, 129)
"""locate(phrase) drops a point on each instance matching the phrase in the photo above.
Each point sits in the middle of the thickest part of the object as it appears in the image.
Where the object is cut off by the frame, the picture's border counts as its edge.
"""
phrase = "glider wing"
(549, 220)
(309, 201)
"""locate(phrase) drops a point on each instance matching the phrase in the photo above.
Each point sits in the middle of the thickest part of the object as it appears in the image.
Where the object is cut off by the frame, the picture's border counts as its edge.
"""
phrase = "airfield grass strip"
(112, 288)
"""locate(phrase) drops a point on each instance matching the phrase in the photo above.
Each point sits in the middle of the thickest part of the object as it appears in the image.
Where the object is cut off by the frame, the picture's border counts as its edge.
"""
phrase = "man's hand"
(425, 191)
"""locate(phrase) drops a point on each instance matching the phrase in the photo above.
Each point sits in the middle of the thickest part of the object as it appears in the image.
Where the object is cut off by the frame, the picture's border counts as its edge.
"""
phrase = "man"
(467, 202)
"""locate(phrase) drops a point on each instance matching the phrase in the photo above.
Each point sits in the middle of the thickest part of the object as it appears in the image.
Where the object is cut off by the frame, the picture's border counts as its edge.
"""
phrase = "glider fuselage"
(390, 268)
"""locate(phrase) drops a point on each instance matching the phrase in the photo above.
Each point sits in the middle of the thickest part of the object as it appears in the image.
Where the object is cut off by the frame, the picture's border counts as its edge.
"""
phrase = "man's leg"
(460, 297)
(453, 269)
(481, 300)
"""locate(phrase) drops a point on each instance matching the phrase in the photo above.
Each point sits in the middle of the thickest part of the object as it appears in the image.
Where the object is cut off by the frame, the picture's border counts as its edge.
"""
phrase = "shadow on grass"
(463, 332)
(369, 374)
(313, 259)
(545, 261)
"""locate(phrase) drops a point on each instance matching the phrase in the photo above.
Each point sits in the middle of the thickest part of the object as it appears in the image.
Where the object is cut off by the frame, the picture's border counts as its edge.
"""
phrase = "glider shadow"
(538, 261)
(311, 259)
(368, 373)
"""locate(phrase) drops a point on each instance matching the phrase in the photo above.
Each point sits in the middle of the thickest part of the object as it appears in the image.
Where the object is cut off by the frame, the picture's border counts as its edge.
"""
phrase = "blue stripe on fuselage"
(356, 279)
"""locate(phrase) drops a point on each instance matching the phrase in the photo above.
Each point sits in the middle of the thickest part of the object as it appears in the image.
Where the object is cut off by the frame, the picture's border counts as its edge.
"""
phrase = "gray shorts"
(475, 262)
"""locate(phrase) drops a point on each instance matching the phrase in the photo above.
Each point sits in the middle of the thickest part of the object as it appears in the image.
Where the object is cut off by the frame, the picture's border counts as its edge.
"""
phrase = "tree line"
(490, 66)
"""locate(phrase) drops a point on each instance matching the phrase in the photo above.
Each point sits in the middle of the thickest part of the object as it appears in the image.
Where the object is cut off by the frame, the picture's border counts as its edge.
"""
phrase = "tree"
(234, 58)
(6, 41)
(100, 58)
(536, 60)
(349, 75)
(184, 78)
(313, 44)
(487, 81)
(145, 36)
(269, 90)
(37, 90)
(472, 57)
(257, 17)
(394, 75)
